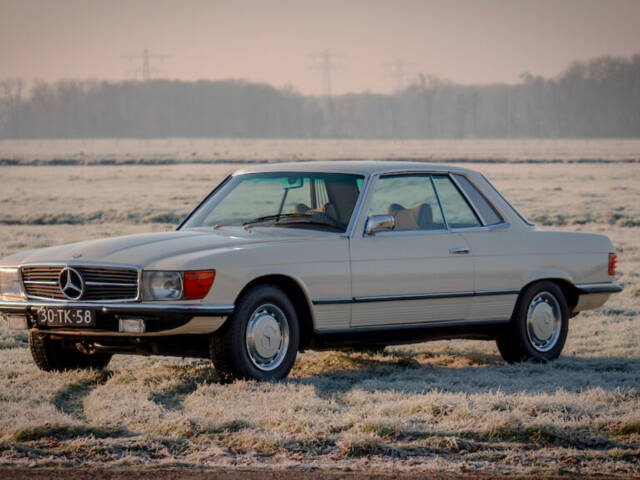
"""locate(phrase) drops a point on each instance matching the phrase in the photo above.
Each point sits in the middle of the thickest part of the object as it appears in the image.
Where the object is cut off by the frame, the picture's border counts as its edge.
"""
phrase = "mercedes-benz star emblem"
(71, 283)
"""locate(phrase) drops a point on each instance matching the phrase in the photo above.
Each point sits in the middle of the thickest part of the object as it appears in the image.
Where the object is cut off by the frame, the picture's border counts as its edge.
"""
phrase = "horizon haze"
(465, 41)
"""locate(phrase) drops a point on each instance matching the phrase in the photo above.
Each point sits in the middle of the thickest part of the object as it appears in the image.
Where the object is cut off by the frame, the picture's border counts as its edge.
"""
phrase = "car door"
(497, 256)
(419, 272)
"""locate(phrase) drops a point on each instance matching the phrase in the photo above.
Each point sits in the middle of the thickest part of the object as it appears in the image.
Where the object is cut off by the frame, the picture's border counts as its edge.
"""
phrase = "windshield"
(322, 201)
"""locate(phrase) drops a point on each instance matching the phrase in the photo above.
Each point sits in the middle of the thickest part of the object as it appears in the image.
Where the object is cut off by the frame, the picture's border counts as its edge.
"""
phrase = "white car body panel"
(354, 280)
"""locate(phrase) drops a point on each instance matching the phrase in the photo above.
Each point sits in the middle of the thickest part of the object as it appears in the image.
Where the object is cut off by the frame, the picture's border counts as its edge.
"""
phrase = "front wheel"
(260, 340)
(53, 356)
(538, 328)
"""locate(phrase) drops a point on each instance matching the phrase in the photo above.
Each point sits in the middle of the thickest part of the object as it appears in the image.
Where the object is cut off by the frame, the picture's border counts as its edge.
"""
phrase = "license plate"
(66, 317)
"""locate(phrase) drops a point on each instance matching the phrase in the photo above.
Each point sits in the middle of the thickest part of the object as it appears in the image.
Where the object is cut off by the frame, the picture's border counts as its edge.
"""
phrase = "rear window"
(488, 213)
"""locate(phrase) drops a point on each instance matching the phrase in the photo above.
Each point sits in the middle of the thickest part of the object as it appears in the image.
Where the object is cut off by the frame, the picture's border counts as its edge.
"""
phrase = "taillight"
(613, 260)
(198, 283)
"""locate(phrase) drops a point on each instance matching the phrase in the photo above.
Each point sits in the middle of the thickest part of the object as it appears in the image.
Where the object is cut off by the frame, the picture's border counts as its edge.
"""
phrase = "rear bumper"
(606, 287)
(594, 295)
(161, 319)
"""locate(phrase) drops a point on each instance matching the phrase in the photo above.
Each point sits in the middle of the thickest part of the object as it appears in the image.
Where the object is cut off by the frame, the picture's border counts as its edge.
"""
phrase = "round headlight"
(163, 285)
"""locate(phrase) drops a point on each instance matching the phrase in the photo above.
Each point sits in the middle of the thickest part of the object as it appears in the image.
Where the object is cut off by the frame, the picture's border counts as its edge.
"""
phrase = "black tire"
(52, 356)
(228, 347)
(516, 343)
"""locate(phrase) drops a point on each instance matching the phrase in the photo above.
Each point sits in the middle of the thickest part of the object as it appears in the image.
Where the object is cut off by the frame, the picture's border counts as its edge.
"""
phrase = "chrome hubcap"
(544, 321)
(267, 337)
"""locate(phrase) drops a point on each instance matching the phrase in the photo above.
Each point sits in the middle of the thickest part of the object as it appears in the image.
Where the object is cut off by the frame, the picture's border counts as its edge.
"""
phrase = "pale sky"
(466, 41)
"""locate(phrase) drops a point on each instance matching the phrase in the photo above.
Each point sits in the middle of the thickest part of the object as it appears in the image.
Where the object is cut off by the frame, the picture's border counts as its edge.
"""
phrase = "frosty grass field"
(440, 406)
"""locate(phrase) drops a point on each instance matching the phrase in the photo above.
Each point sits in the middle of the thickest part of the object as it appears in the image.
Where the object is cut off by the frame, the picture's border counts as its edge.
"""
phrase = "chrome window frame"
(204, 200)
(481, 228)
(355, 214)
(479, 215)
(79, 263)
(479, 190)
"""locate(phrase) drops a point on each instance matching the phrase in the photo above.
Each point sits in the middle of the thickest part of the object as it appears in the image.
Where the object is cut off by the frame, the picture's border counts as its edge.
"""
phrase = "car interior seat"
(419, 217)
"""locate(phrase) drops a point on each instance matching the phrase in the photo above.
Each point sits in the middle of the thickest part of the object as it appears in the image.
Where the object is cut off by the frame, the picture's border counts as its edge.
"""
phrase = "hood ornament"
(76, 255)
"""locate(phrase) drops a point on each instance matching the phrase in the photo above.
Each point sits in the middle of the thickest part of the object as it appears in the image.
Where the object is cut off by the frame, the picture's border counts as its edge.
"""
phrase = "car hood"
(145, 249)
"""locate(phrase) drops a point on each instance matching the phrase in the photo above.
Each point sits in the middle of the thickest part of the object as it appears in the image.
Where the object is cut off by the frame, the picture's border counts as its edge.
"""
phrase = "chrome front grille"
(100, 282)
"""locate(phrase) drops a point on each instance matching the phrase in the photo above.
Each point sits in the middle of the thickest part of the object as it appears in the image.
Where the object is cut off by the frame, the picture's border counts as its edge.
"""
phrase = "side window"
(489, 214)
(411, 200)
(456, 209)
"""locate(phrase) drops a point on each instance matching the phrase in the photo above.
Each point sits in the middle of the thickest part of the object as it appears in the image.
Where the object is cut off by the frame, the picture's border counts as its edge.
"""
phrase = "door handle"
(459, 251)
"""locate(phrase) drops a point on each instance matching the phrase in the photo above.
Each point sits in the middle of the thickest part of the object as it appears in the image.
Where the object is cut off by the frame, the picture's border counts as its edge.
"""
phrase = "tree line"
(598, 98)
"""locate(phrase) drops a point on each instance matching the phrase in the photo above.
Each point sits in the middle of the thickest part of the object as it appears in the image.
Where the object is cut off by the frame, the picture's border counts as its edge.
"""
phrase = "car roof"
(353, 166)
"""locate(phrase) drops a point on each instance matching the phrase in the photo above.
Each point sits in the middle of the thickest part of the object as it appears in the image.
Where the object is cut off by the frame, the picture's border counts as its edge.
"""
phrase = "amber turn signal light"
(197, 283)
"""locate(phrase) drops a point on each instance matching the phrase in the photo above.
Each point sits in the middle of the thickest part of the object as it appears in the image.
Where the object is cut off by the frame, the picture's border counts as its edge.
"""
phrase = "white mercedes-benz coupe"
(286, 257)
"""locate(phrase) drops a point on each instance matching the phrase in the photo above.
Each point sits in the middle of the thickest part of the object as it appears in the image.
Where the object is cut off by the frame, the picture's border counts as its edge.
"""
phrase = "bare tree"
(10, 99)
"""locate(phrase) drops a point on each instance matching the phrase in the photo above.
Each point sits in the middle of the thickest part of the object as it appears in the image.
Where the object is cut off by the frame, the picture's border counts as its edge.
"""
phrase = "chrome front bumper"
(161, 319)
(28, 306)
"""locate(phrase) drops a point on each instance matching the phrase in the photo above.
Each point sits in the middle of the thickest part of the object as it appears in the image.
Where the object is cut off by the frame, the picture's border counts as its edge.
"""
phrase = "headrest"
(419, 217)
(424, 216)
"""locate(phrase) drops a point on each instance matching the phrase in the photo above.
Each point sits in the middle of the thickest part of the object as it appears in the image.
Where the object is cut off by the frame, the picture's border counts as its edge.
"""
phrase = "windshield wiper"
(295, 218)
(276, 217)
(311, 221)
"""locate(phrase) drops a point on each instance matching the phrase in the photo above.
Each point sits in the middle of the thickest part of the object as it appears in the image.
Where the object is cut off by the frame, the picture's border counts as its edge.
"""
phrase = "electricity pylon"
(325, 62)
(400, 70)
(145, 69)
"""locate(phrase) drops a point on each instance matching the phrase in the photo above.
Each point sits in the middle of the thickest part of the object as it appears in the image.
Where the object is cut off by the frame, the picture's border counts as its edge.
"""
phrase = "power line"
(401, 71)
(325, 62)
(145, 69)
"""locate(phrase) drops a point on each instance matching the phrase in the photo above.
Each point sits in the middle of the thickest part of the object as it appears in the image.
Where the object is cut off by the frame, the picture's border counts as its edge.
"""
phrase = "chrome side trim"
(605, 287)
(332, 301)
(418, 296)
(488, 293)
(444, 323)
(202, 310)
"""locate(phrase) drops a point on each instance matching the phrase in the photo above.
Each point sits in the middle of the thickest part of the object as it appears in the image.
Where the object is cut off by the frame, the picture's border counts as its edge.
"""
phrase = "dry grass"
(110, 151)
(445, 406)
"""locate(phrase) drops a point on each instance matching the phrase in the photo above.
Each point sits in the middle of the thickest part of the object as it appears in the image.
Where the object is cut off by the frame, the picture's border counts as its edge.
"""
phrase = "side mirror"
(380, 223)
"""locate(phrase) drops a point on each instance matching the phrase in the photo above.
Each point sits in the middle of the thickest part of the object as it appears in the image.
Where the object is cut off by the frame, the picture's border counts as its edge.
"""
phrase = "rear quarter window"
(489, 214)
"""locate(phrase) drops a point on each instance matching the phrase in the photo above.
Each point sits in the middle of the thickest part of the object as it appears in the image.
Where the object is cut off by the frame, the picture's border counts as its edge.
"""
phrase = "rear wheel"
(538, 328)
(52, 355)
(260, 340)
